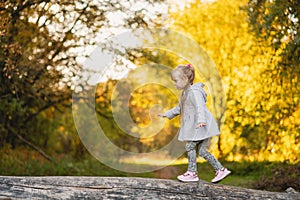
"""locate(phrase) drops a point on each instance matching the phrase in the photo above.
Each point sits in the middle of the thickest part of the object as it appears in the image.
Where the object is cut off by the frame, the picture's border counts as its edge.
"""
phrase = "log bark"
(78, 187)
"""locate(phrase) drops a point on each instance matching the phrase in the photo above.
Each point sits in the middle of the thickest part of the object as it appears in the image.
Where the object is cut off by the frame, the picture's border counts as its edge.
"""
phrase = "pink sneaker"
(188, 177)
(220, 175)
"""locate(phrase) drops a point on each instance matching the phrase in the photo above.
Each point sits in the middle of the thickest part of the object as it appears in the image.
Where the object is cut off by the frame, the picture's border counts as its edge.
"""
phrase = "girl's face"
(180, 80)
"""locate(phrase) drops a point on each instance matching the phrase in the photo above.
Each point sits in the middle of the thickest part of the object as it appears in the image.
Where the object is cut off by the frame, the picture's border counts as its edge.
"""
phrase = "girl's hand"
(161, 115)
(201, 124)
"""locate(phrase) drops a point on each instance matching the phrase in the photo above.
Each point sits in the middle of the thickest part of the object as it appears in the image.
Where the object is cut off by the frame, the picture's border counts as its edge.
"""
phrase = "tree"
(262, 107)
(230, 46)
(41, 41)
(276, 25)
(128, 187)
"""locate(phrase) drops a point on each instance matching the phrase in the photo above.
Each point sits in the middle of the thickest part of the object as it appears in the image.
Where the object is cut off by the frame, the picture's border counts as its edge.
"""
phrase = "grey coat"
(194, 111)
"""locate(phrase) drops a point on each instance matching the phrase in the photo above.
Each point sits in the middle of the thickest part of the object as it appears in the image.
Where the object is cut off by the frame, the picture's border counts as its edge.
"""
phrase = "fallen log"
(78, 187)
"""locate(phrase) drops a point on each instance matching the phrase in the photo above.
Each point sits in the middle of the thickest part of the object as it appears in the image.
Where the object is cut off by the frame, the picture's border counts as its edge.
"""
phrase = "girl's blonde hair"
(186, 70)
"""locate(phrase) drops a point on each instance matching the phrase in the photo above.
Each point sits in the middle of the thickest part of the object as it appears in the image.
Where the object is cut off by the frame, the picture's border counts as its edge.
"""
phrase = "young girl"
(197, 123)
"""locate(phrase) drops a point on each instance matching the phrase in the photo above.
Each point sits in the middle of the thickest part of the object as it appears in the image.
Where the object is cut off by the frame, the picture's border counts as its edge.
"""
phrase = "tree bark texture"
(78, 187)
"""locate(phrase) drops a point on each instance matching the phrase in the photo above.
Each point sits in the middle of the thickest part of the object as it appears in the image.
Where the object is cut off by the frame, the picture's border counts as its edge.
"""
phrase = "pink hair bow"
(188, 65)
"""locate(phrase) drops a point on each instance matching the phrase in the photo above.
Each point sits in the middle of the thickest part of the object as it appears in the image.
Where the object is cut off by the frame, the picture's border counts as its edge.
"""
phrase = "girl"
(197, 123)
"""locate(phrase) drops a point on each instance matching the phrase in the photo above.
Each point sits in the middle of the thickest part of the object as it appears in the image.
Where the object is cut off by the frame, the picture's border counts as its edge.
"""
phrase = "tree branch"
(44, 108)
(34, 147)
(30, 144)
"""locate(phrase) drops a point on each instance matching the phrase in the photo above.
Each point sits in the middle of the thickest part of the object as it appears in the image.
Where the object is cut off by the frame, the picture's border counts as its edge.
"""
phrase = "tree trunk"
(76, 187)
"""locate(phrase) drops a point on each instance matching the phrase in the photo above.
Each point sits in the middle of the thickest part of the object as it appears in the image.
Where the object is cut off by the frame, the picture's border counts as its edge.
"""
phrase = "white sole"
(222, 177)
(188, 180)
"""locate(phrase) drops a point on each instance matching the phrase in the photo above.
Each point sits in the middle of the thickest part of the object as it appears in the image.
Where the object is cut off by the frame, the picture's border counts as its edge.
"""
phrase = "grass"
(25, 162)
(240, 175)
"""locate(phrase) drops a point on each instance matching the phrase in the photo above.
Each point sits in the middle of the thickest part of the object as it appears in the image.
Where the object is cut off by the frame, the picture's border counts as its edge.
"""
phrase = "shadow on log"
(78, 187)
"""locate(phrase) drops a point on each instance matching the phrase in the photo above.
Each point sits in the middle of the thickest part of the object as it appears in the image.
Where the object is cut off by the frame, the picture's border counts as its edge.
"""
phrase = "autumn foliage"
(255, 51)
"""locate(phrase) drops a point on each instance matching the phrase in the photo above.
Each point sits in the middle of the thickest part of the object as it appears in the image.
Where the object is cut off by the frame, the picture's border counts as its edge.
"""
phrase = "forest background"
(255, 48)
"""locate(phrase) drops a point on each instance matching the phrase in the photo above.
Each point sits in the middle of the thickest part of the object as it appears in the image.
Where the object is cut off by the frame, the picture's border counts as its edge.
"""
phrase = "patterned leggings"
(202, 150)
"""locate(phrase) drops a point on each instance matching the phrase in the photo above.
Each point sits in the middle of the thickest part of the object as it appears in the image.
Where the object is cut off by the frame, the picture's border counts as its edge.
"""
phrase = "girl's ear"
(186, 78)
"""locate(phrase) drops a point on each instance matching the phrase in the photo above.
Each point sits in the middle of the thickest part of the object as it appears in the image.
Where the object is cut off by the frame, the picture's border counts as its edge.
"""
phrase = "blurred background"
(253, 44)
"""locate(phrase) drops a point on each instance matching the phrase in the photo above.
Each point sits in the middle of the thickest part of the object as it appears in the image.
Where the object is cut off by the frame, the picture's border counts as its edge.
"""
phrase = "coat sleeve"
(199, 105)
(170, 114)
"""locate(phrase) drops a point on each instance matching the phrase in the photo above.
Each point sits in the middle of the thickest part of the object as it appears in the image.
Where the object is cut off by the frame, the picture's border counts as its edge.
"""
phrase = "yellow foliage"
(257, 104)
(262, 120)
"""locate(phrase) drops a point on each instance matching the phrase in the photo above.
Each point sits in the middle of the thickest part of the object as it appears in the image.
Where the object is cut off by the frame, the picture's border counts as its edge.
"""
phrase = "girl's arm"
(170, 114)
(200, 105)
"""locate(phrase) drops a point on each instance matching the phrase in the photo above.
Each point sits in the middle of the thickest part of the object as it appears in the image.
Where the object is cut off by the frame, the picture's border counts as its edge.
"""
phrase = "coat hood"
(199, 87)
